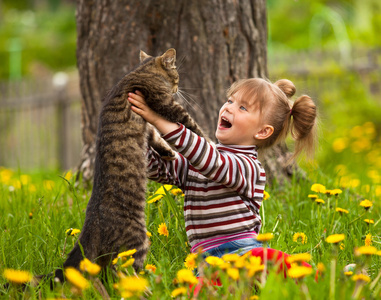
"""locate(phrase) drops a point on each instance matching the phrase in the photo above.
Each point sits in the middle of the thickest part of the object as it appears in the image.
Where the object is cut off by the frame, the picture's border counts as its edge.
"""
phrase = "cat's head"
(165, 65)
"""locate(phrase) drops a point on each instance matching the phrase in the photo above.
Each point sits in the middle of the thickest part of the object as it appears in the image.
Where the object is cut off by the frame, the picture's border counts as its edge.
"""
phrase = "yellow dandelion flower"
(318, 188)
(240, 263)
(75, 232)
(214, 261)
(127, 253)
(87, 266)
(149, 234)
(161, 191)
(128, 263)
(163, 230)
(342, 246)
(186, 276)
(190, 261)
(365, 250)
(254, 297)
(366, 204)
(300, 257)
(72, 231)
(48, 184)
(369, 221)
(68, 175)
(5, 176)
(32, 188)
(76, 278)
(265, 237)
(300, 237)
(126, 294)
(254, 260)
(319, 201)
(336, 192)
(341, 210)
(321, 267)
(132, 285)
(25, 179)
(348, 273)
(151, 268)
(266, 195)
(156, 198)
(378, 253)
(123, 255)
(233, 273)
(232, 257)
(361, 277)
(179, 291)
(339, 144)
(299, 271)
(177, 192)
(253, 265)
(335, 238)
(368, 239)
(17, 276)
(312, 196)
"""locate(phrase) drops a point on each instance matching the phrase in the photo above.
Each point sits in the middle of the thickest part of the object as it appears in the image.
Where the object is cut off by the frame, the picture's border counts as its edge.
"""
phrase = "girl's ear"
(265, 132)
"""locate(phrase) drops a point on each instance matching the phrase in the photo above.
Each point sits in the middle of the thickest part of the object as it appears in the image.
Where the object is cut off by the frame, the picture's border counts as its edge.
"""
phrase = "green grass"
(37, 209)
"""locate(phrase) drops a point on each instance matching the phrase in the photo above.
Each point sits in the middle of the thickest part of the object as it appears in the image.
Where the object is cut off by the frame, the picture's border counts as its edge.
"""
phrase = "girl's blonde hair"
(277, 110)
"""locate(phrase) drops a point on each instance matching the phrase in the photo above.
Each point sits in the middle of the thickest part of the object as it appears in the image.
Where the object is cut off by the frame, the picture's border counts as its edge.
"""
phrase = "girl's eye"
(243, 108)
(229, 101)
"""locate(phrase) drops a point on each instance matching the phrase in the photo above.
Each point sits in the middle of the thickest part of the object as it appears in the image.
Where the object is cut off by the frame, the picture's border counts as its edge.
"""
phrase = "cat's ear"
(169, 59)
(143, 56)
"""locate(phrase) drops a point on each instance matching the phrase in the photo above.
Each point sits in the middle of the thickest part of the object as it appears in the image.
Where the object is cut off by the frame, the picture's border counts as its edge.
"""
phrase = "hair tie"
(290, 111)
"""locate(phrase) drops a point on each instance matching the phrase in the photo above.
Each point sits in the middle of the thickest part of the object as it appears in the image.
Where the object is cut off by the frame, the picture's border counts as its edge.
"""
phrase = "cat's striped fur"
(115, 219)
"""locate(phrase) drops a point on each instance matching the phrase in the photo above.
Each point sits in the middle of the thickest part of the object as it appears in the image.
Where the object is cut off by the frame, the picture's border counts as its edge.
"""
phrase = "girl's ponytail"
(303, 125)
(299, 117)
(286, 86)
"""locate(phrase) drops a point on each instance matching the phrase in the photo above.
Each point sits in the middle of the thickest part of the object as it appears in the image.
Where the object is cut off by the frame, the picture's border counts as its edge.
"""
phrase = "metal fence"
(40, 126)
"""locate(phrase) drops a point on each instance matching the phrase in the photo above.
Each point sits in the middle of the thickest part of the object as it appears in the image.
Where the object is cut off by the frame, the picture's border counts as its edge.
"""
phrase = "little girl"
(224, 183)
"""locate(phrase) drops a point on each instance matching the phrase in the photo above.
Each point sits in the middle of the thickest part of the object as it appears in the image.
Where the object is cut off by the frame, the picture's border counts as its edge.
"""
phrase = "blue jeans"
(238, 246)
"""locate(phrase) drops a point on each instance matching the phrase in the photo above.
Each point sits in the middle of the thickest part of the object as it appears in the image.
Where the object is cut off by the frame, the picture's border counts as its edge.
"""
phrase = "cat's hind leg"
(157, 143)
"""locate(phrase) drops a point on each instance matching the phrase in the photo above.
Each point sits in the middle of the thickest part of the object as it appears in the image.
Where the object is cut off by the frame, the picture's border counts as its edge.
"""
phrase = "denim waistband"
(240, 247)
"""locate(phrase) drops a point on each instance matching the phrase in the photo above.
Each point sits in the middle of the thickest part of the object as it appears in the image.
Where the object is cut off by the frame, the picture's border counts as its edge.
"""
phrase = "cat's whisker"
(188, 98)
(180, 62)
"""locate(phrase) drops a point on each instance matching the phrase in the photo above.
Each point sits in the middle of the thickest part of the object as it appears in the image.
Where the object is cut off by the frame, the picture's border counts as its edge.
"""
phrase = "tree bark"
(217, 42)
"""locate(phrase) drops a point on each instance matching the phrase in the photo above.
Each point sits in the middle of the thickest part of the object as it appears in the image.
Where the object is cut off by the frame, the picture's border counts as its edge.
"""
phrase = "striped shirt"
(223, 187)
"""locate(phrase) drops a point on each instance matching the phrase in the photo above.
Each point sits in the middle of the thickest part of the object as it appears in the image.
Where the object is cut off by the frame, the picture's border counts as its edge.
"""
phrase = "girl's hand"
(140, 107)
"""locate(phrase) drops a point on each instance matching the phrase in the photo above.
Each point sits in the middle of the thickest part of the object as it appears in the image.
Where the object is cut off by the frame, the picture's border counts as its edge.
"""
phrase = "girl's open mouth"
(225, 123)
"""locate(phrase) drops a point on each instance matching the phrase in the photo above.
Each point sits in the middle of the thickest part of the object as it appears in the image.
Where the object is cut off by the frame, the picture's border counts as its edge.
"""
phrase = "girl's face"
(238, 122)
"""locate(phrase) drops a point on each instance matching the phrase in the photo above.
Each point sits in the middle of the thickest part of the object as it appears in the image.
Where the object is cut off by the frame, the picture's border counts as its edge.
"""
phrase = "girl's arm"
(235, 168)
(160, 170)
(140, 107)
(242, 173)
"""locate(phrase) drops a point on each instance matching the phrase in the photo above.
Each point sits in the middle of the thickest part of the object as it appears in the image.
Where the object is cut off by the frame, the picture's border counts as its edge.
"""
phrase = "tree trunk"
(217, 42)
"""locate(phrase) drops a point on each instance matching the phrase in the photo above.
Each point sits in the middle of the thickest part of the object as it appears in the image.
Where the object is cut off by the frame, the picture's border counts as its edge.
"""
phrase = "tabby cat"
(115, 218)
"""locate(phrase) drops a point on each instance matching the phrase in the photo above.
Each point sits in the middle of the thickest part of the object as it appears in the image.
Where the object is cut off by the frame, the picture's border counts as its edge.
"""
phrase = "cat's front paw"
(168, 155)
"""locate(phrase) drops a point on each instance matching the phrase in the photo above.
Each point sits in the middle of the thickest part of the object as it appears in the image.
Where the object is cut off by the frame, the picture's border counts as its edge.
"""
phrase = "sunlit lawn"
(39, 209)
